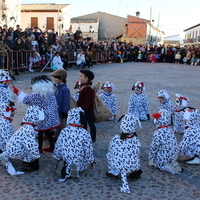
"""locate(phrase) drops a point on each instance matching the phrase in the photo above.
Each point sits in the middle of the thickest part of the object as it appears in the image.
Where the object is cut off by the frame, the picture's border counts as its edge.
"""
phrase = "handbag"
(101, 112)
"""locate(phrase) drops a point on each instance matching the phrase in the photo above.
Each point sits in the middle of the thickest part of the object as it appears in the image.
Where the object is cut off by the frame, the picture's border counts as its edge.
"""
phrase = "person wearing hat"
(85, 100)
(109, 98)
(138, 102)
(124, 152)
(62, 94)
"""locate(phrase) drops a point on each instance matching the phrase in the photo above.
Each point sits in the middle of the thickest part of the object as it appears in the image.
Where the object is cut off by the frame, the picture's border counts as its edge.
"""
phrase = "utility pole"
(157, 28)
(150, 26)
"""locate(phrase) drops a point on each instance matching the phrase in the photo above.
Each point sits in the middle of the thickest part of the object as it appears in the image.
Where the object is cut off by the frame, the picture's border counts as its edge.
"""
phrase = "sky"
(175, 15)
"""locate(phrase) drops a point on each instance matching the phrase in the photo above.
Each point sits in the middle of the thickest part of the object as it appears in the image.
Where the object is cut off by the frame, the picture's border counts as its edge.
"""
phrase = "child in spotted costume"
(138, 103)
(7, 112)
(181, 103)
(162, 153)
(23, 145)
(5, 92)
(74, 145)
(109, 98)
(123, 154)
(165, 102)
(44, 97)
(190, 144)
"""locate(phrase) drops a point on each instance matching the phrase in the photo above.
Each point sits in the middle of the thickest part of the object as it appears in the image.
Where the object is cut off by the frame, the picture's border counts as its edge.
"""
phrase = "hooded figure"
(5, 92)
(123, 154)
(138, 102)
(6, 128)
(74, 145)
(181, 103)
(190, 144)
(162, 153)
(109, 98)
(165, 102)
(23, 145)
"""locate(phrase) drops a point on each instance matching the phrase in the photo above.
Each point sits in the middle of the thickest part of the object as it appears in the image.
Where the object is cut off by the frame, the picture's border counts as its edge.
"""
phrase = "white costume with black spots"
(181, 103)
(123, 154)
(110, 101)
(164, 144)
(138, 104)
(6, 128)
(23, 145)
(74, 144)
(190, 144)
(168, 104)
(5, 92)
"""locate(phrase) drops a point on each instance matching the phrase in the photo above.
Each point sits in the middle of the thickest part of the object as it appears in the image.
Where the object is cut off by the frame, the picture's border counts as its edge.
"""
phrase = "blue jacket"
(63, 98)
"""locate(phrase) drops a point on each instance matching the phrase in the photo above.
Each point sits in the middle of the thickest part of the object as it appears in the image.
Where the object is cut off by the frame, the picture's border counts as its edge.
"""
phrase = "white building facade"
(192, 34)
(46, 16)
(10, 12)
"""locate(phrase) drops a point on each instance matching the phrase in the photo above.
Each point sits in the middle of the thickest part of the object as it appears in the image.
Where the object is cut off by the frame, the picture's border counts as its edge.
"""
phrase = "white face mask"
(41, 115)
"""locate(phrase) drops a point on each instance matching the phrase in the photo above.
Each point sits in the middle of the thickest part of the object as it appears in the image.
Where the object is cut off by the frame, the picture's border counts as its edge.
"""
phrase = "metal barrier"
(4, 60)
(23, 59)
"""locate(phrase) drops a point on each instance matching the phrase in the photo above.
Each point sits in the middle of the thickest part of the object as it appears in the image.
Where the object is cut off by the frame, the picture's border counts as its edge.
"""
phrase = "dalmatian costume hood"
(181, 103)
(138, 102)
(123, 155)
(162, 153)
(168, 104)
(109, 99)
(190, 144)
(6, 128)
(5, 92)
(74, 144)
(23, 145)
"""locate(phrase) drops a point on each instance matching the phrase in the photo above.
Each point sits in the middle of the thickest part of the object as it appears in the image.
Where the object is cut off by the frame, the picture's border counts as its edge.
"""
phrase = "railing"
(4, 60)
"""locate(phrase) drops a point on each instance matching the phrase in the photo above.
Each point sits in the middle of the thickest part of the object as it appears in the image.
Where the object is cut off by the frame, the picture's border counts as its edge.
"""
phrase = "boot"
(135, 175)
(194, 161)
(177, 167)
(11, 170)
(30, 69)
(74, 171)
(32, 166)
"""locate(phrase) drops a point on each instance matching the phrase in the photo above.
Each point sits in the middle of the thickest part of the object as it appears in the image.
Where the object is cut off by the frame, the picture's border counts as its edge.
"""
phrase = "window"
(50, 23)
(34, 21)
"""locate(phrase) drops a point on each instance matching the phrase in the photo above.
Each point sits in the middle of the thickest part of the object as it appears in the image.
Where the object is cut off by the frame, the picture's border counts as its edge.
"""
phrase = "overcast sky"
(175, 15)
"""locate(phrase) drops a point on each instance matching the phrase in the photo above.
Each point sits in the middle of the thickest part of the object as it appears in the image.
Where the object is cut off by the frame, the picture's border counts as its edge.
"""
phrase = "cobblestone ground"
(93, 183)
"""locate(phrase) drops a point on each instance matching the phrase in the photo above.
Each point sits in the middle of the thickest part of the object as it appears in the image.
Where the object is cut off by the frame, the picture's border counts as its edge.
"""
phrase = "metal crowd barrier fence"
(22, 59)
(4, 60)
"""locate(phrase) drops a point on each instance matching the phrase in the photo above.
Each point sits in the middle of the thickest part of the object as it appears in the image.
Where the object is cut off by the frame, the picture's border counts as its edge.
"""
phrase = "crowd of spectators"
(69, 45)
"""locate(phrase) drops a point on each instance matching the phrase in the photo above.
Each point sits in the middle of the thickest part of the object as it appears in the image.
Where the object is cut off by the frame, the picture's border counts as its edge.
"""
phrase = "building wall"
(192, 35)
(59, 26)
(85, 29)
(110, 26)
(12, 12)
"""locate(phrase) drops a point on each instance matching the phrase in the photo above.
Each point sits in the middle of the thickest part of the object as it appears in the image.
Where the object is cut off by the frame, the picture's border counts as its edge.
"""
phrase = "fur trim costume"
(109, 99)
(6, 128)
(43, 97)
(190, 144)
(138, 102)
(181, 103)
(74, 144)
(5, 92)
(123, 154)
(162, 153)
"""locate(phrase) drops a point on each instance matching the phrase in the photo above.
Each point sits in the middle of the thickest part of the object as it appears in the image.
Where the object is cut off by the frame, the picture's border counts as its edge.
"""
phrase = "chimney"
(137, 14)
